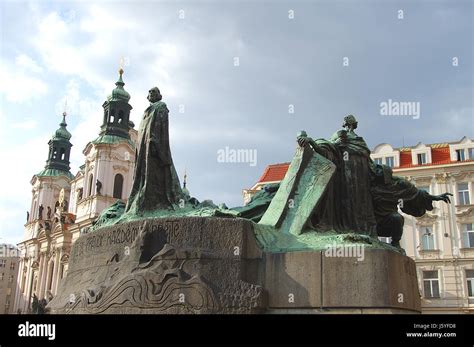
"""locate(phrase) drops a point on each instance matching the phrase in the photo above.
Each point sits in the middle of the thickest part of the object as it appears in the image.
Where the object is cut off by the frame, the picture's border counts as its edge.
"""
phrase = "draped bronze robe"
(347, 204)
(155, 184)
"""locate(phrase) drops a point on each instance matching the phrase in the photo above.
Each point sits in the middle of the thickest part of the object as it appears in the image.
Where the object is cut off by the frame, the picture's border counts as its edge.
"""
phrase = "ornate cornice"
(121, 168)
(465, 213)
(462, 176)
(441, 177)
(427, 219)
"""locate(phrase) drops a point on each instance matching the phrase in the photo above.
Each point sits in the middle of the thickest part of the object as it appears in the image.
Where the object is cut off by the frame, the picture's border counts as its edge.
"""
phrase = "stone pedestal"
(172, 265)
(383, 281)
(214, 265)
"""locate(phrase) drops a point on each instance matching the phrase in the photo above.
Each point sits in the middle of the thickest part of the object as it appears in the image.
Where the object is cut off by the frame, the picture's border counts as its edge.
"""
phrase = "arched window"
(55, 153)
(91, 181)
(120, 117)
(62, 153)
(118, 186)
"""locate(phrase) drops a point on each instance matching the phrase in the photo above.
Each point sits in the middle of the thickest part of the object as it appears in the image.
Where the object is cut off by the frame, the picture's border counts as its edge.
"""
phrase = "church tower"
(107, 174)
(116, 120)
(55, 176)
(59, 150)
(46, 237)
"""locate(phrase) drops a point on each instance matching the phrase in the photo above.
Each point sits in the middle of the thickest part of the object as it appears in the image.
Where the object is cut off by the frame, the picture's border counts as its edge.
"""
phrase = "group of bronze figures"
(364, 197)
(361, 197)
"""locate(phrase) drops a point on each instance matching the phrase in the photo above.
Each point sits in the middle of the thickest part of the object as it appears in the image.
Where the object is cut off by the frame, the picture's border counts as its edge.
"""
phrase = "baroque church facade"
(63, 205)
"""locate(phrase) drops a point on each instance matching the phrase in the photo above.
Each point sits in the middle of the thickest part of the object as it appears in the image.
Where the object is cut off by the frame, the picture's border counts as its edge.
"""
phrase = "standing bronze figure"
(156, 184)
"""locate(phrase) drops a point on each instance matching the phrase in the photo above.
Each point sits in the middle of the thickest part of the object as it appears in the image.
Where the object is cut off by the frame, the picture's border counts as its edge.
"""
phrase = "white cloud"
(86, 113)
(29, 158)
(18, 86)
(102, 20)
(26, 124)
(28, 63)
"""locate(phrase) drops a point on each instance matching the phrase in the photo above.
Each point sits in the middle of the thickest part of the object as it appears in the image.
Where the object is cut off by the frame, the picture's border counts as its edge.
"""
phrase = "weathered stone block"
(311, 282)
(293, 279)
(383, 279)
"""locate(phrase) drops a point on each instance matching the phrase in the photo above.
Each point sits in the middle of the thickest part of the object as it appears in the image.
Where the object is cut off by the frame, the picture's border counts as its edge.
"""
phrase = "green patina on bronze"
(300, 192)
(155, 185)
(115, 214)
(258, 204)
(273, 240)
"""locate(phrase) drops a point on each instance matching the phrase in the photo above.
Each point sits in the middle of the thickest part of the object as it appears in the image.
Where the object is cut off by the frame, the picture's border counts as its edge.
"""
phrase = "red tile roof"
(405, 159)
(274, 172)
(439, 155)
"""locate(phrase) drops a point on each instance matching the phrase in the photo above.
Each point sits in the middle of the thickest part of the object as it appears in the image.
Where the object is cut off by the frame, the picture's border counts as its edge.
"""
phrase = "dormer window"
(462, 150)
(465, 154)
(421, 154)
(385, 154)
(460, 155)
(421, 157)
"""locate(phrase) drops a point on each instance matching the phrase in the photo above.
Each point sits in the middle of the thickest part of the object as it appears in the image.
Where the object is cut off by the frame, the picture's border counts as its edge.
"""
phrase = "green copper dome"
(119, 94)
(62, 133)
(59, 152)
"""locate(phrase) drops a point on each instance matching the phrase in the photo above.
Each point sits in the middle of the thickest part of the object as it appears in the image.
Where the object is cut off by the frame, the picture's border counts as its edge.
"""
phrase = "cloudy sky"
(237, 68)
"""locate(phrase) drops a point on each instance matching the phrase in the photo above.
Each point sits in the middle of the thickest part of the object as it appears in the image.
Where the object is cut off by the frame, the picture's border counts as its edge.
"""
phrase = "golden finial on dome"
(121, 66)
(64, 112)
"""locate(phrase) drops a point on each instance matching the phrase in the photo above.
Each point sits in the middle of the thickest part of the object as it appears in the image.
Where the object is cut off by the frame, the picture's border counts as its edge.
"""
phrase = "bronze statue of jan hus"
(155, 184)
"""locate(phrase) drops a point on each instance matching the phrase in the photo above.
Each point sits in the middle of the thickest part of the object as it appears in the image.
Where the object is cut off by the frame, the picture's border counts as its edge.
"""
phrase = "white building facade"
(63, 205)
(442, 241)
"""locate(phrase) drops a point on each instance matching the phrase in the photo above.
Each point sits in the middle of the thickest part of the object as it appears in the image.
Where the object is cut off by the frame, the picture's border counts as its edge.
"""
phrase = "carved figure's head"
(154, 95)
(350, 122)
